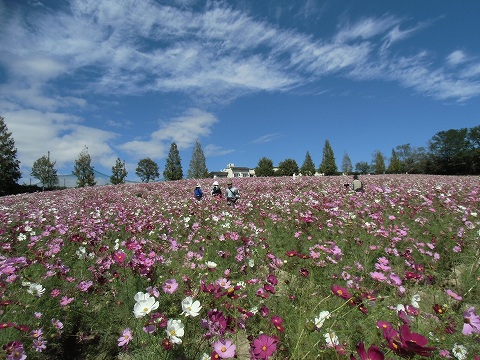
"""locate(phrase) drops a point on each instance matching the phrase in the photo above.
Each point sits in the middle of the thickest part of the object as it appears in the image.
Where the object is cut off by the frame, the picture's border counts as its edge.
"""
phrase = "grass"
(396, 268)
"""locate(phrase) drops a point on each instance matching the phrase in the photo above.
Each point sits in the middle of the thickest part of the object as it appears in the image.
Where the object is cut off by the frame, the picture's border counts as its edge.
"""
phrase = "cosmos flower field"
(299, 269)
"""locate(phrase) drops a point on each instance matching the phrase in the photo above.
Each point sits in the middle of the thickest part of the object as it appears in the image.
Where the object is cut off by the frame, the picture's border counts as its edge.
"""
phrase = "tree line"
(451, 152)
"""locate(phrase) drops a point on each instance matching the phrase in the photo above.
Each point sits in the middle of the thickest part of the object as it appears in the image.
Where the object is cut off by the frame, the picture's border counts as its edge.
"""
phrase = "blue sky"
(246, 78)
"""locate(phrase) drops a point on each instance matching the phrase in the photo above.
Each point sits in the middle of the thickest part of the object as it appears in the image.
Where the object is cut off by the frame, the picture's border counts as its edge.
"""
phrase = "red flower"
(304, 272)
(373, 353)
(167, 344)
(291, 253)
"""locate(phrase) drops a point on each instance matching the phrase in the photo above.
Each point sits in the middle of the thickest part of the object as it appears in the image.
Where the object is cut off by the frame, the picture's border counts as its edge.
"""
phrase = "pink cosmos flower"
(376, 275)
(64, 301)
(264, 346)
(170, 286)
(225, 348)
(453, 295)
(125, 338)
(471, 322)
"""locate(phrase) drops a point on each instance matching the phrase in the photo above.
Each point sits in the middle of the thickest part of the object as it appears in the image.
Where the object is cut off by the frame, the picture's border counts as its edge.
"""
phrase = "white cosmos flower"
(145, 303)
(459, 351)
(321, 318)
(175, 330)
(415, 299)
(211, 264)
(331, 339)
(34, 289)
(190, 307)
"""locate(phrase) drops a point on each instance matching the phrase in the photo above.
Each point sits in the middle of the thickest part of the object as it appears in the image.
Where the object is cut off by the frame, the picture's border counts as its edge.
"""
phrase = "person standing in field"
(232, 193)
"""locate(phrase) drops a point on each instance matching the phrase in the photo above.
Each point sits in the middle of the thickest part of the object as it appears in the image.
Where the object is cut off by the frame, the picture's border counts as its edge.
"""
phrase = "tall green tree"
(347, 167)
(308, 167)
(264, 167)
(378, 162)
(394, 167)
(328, 165)
(9, 165)
(83, 169)
(173, 167)
(119, 172)
(474, 156)
(44, 170)
(288, 167)
(147, 170)
(198, 168)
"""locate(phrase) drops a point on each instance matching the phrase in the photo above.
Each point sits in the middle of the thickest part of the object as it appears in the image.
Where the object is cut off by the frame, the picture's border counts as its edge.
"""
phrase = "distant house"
(233, 171)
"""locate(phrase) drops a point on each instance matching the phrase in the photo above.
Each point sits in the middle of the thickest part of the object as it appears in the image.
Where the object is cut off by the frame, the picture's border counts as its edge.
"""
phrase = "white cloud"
(266, 138)
(183, 130)
(456, 57)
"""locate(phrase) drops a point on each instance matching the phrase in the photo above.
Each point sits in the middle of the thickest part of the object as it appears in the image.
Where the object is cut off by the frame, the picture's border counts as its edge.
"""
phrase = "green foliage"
(198, 168)
(378, 162)
(173, 167)
(119, 172)
(451, 152)
(394, 167)
(308, 167)
(147, 170)
(44, 170)
(362, 167)
(264, 167)
(328, 165)
(9, 165)
(287, 167)
(83, 169)
(347, 167)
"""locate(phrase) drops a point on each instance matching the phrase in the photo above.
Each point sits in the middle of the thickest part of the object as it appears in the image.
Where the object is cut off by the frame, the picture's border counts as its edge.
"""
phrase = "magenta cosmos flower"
(224, 348)
(471, 322)
(264, 346)
(373, 353)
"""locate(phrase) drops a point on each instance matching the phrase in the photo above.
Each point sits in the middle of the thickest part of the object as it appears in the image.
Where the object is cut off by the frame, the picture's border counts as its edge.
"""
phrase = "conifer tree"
(9, 165)
(173, 167)
(378, 162)
(394, 166)
(119, 172)
(198, 168)
(328, 165)
(264, 167)
(147, 170)
(347, 167)
(308, 167)
(83, 169)
(44, 170)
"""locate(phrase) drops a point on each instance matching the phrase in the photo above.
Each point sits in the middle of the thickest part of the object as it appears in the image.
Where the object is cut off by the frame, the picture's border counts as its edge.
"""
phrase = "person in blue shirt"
(232, 193)
(198, 192)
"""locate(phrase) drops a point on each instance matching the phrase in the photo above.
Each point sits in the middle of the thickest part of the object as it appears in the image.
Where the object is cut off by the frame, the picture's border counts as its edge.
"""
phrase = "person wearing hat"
(232, 193)
(216, 191)
(198, 192)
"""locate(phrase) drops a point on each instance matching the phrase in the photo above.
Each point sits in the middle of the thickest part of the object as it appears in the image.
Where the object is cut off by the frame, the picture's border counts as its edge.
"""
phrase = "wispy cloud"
(266, 138)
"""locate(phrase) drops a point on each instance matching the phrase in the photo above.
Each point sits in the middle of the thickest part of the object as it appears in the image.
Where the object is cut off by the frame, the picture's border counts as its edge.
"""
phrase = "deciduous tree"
(44, 170)
(9, 165)
(147, 170)
(264, 167)
(288, 167)
(173, 167)
(83, 169)
(198, 168)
